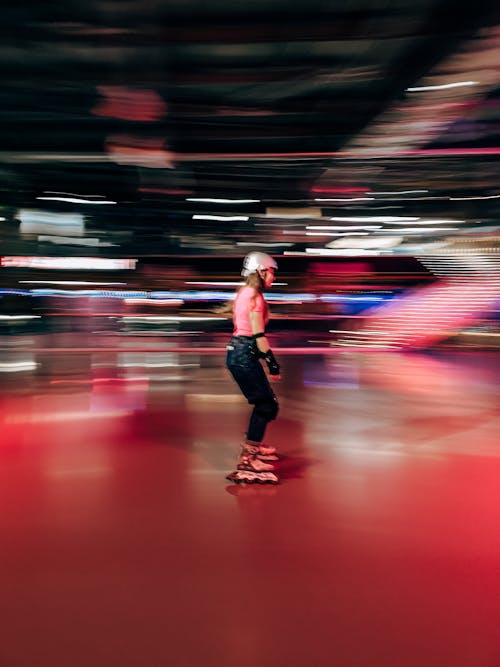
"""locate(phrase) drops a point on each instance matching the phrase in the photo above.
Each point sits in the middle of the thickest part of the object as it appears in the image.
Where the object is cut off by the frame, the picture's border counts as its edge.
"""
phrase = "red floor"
(122, 543)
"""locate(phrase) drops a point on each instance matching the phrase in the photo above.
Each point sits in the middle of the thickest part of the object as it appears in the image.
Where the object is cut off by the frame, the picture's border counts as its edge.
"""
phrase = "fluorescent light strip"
(223, 201)
(13, 367)
(263, 245)
(227, 218)
(337, 233)
(44, 218)
(374, 218)
(467, 198)
(68, 263)
(419, 221)
(348, 199)
(419, 198)
(65, 282)
(77, 200)
(402, 192)
(344, 228)
(339, 251)
(112, 294)
(424, 230)
(443, 86)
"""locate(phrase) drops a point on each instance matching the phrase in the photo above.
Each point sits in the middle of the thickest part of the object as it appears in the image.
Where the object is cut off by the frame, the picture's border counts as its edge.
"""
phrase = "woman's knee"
(268, 409)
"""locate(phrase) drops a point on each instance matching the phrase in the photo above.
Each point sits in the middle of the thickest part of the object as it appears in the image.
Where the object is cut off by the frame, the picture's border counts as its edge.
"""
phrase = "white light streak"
(348, 199)
(339, 251)
(402, 192)
(155, 302)
(223, 201)
(421, 221)
(263, 245)
(343, 228)
(443, 86)
(71, 263)
(20, 317)
(466, 198)
(226, 218)
(337, 233)
(37, 217)
(374, 218)
(78, 200)
(441, 197)
(65, 282)
(16, 367)
(422, 230)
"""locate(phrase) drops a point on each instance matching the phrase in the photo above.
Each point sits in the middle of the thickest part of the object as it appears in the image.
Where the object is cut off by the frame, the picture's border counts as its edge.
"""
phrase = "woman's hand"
(272, 364)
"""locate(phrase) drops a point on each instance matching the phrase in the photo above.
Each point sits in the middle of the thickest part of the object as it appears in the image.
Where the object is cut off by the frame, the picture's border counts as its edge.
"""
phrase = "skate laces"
(250, 461)
(267, 449)
(251, 450)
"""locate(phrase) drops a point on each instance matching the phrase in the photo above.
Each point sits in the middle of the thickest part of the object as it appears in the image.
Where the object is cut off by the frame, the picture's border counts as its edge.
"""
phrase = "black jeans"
(243, 362)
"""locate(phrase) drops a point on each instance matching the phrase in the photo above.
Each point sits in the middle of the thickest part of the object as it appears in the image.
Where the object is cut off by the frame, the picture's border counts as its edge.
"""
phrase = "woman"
(245, 350)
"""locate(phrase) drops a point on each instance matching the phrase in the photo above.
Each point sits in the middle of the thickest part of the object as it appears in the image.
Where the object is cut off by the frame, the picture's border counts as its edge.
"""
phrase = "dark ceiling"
(151, 103)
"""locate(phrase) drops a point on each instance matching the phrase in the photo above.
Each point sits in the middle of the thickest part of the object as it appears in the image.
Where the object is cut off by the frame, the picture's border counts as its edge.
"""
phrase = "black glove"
(272, 364)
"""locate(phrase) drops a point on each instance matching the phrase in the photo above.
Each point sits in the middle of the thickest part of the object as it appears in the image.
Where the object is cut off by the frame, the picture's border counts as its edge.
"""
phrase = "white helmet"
(255, 261)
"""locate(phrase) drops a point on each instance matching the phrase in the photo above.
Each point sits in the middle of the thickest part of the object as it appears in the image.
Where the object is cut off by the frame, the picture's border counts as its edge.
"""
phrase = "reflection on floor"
(122, 543)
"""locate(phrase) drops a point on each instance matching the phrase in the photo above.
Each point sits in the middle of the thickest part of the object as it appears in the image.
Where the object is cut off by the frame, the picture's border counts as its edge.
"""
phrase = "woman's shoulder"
(248, 292)
(249, 297)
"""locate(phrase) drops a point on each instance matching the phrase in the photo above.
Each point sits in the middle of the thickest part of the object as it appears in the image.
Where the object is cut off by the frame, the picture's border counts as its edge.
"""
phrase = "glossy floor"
(122, 543)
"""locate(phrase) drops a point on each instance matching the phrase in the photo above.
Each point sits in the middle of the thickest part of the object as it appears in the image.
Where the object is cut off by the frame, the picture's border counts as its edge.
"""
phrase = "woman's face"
(267, 276)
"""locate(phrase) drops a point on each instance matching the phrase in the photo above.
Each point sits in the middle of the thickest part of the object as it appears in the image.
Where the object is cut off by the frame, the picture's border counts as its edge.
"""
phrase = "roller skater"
(246, 348)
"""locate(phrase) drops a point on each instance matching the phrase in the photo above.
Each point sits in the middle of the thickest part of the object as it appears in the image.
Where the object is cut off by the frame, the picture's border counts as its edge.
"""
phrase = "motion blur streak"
(145, 149)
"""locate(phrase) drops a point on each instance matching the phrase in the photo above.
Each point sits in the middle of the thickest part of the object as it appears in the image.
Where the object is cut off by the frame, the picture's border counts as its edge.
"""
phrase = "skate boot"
(250, 469)
(267, 453)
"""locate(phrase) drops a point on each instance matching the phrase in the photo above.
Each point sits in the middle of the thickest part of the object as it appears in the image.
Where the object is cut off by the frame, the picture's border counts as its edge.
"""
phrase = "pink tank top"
(247, 300)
